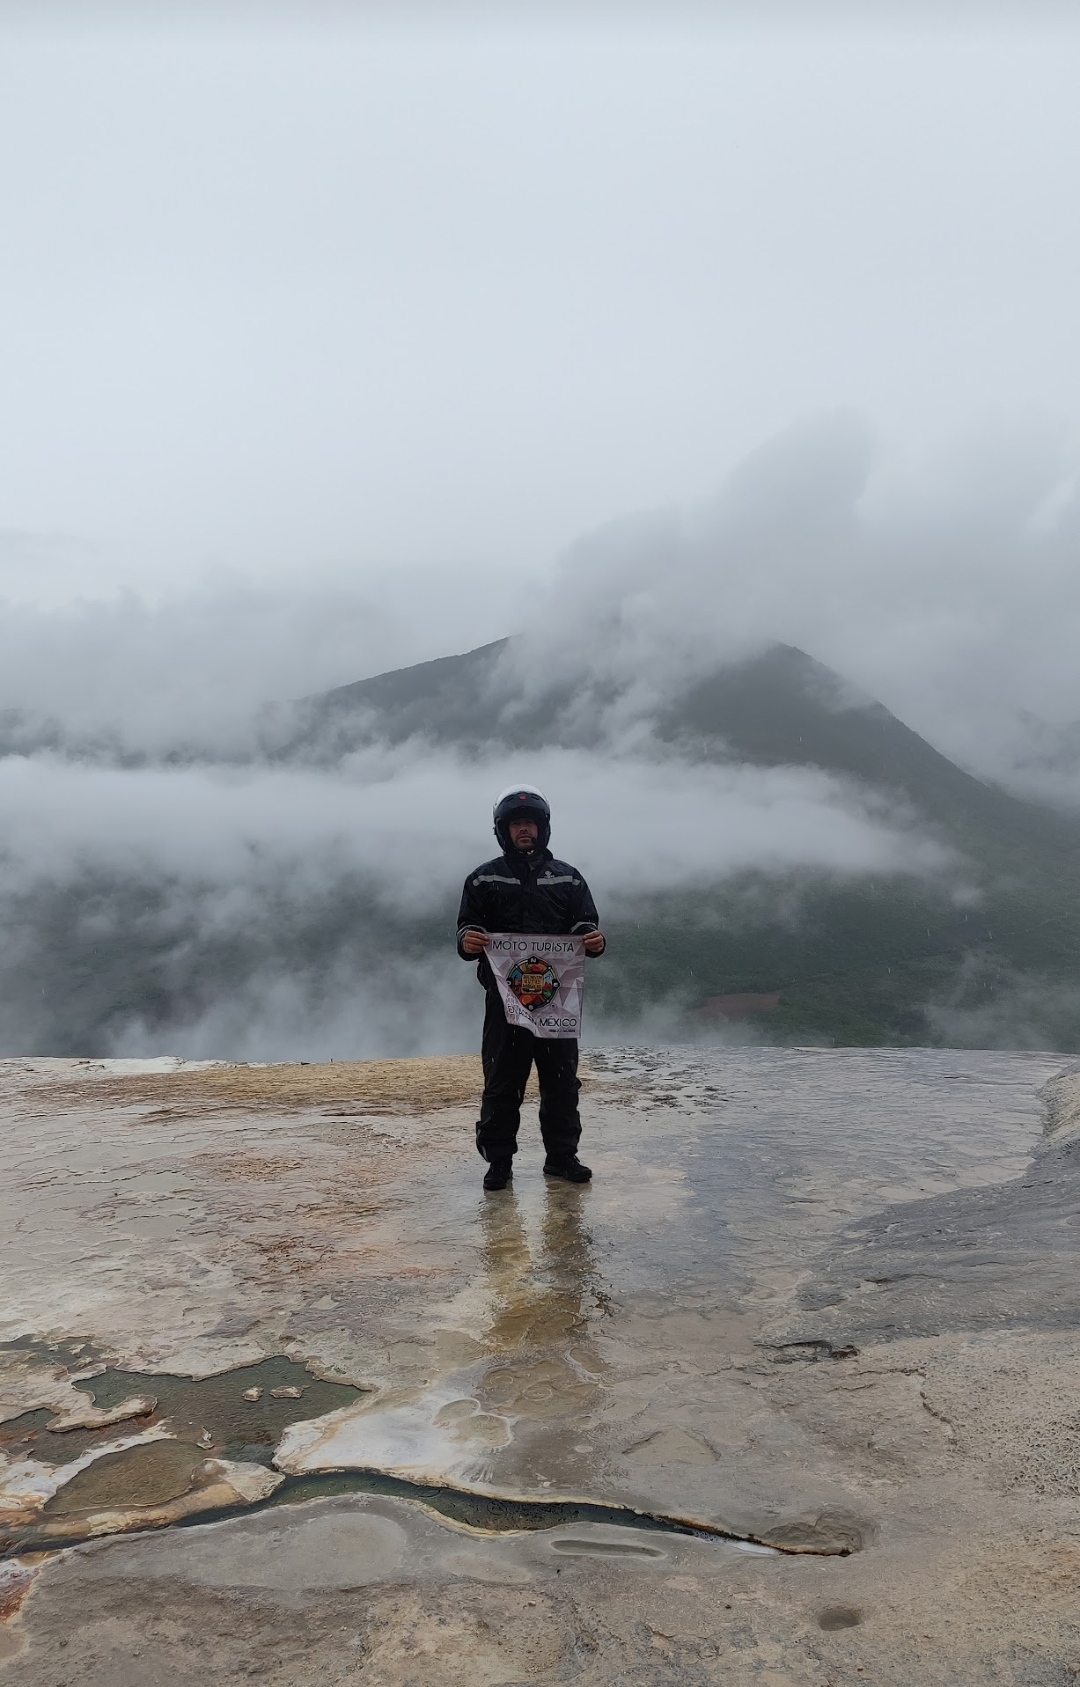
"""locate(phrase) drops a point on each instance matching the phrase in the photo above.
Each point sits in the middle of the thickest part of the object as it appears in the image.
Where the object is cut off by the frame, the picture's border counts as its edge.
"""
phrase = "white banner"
(541, 981)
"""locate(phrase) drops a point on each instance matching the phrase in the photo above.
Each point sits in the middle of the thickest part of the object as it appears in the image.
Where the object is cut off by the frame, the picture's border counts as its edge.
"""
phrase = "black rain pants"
(508, 1054)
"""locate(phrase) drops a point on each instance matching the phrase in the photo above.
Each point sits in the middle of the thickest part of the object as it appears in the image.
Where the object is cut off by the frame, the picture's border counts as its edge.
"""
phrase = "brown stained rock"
(834, 1532)
(15, 1580)
(151, 1499)
(350, 1086)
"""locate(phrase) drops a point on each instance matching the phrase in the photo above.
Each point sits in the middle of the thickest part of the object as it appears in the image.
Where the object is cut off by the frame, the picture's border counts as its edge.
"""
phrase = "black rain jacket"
(533, 893)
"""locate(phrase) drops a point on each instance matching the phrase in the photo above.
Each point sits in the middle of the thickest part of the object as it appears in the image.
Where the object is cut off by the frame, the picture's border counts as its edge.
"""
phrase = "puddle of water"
(216, 1417)
(482, 1511)
(604, 1549)
(156, 1472)
(211, 1412)
(153, 1474)
(74, 1353)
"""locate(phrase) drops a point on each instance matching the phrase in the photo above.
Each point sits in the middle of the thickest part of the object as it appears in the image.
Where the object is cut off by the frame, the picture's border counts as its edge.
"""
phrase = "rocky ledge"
(786, 1395)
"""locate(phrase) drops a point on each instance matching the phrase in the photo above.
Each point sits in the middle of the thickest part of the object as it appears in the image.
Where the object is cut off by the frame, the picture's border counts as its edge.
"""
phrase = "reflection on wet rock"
(542, 1388)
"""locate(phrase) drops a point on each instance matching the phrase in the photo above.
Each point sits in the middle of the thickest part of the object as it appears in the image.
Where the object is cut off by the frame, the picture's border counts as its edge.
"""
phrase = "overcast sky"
(343, 336)
(316, 298)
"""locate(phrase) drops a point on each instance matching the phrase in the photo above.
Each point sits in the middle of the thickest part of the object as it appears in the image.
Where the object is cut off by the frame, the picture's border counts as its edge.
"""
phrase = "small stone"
(289, 1393)
(252, 1394)
(206, 1439)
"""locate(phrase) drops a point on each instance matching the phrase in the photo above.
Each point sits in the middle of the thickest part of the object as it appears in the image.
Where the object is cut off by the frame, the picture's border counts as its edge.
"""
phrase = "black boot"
(498, 1174)
(570, 1168)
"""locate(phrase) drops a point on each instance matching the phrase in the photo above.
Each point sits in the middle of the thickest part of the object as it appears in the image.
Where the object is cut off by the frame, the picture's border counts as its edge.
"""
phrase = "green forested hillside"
(894, 960)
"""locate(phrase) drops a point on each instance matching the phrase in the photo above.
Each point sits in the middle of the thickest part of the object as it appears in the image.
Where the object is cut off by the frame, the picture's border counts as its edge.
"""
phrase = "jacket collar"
(523, 865)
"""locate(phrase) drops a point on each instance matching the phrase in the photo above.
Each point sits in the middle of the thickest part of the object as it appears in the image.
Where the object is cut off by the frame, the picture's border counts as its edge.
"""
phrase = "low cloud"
(254, 905)
(945, 588)
(266, 912)
(120, 675)
(991, 1006)
(412, 822)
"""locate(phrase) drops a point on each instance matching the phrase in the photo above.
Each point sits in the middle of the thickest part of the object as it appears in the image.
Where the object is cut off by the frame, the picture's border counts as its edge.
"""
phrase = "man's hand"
(594, 943)
(474, 942)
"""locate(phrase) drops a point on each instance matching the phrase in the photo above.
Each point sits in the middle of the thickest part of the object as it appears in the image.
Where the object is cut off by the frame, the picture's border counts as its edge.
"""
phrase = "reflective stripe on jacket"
(525, 893)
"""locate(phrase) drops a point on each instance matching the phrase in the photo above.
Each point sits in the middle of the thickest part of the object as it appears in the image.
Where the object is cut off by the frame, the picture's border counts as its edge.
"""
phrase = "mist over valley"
(777, 855)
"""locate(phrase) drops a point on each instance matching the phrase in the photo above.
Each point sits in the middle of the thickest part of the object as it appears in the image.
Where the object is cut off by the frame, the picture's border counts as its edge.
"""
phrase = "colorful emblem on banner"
(533, 982)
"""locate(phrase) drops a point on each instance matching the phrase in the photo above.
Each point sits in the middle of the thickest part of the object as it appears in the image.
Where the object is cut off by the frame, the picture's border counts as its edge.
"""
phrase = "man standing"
(525, 889)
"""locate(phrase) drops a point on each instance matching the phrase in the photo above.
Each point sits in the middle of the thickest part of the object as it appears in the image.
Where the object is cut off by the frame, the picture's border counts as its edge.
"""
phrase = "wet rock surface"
(240, 1413)
(820, 1302)
(981, 1259)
